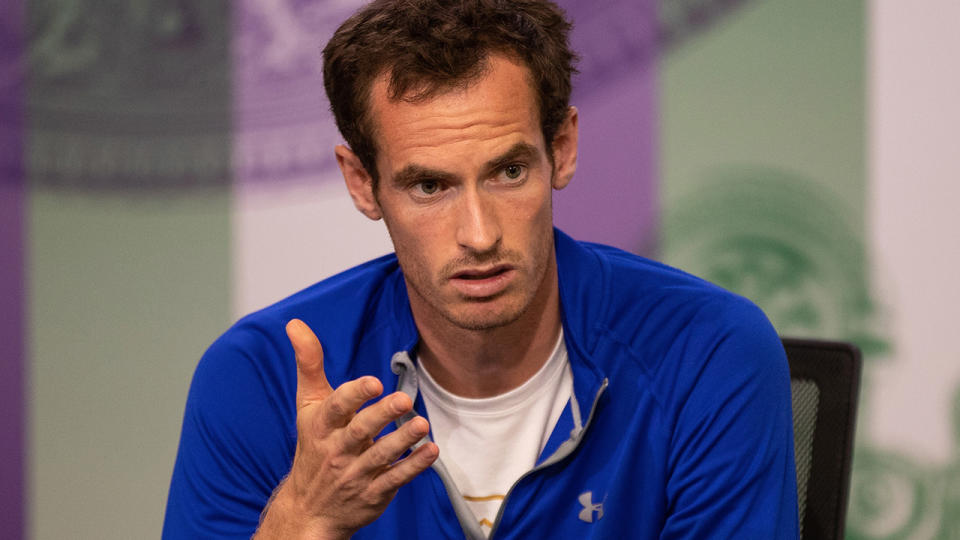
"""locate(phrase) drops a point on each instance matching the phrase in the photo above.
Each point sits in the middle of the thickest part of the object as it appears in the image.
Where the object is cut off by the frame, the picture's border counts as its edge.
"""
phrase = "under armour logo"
(586, 500)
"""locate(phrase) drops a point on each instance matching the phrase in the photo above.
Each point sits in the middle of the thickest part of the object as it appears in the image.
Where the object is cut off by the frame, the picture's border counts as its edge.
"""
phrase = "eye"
(427, 189)
(514, 172)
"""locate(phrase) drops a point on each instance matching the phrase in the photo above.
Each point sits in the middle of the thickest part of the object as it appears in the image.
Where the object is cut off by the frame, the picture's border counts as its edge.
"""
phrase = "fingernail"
(399, 404)
(421, 427)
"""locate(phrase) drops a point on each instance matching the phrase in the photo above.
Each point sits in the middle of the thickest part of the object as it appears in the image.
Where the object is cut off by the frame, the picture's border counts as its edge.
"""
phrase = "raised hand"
(341, 479)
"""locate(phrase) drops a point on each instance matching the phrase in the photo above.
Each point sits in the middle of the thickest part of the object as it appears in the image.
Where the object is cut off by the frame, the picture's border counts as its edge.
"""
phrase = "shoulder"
(255, 356)
(337, 309)
(670, 327)
(648, 304)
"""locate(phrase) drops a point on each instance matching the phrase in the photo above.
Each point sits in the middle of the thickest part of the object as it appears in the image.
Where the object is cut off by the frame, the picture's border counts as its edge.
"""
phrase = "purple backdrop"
(12, 330)
(282, 124)
(613, 197)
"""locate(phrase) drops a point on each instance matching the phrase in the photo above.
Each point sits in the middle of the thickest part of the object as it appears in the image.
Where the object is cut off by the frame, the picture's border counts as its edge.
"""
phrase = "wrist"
(286, 517)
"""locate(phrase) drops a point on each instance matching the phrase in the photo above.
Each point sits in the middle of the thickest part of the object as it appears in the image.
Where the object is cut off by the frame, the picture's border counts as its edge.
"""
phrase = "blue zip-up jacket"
(679, 426)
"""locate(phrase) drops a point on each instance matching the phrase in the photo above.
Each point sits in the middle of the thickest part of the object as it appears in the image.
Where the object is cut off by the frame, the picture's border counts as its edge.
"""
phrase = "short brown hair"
(429, 46)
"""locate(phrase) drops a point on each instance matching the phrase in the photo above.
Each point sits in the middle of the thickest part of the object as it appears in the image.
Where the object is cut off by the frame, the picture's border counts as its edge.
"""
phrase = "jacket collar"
(583, 280)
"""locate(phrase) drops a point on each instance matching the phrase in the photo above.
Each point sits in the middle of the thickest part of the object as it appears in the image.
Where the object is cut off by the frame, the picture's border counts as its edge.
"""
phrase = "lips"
(480, 274)
(483, 282)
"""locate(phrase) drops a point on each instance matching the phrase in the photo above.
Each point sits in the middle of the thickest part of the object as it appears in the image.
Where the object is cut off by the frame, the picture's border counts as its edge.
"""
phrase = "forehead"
(489, 114)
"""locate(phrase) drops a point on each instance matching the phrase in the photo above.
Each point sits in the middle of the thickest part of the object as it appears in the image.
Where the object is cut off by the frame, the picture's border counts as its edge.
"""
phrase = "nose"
(478, 225)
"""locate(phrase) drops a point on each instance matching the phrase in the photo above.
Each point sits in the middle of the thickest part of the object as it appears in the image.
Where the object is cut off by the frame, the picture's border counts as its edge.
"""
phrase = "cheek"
(416, 243)
(535, 213)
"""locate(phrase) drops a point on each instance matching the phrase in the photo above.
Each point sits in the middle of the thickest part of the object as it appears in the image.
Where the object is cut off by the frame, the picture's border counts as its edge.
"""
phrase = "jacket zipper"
(565, 449)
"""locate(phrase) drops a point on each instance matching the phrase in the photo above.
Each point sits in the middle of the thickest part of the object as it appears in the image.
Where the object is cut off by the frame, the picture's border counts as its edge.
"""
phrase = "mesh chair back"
(825, 381)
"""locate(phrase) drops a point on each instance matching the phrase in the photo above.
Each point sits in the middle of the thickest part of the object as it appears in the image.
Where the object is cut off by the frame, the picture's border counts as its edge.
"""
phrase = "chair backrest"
(825, 381)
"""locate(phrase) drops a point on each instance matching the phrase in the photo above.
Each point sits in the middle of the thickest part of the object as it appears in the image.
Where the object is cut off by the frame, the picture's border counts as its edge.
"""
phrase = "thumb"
(312, 382)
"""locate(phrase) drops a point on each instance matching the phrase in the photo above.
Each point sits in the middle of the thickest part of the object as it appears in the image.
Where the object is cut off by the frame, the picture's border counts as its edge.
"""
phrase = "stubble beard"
(471, 314)
(481, 314)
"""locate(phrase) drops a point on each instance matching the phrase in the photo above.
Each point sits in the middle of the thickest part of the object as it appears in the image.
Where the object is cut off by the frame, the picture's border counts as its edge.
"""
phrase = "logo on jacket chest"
(591, 511)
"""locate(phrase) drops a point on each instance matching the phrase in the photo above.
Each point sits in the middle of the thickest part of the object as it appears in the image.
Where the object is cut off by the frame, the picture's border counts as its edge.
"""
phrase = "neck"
(484, 363)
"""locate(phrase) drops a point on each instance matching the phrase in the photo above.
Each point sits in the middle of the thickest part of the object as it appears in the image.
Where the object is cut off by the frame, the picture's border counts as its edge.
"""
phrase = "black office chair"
(825, 381)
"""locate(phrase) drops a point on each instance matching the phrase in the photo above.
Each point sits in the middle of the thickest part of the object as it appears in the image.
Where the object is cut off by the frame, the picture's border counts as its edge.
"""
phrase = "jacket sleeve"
(731, 469)
(237, 440)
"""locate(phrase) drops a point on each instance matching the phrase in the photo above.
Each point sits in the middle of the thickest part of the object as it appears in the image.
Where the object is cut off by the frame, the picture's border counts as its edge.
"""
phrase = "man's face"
(465, 191)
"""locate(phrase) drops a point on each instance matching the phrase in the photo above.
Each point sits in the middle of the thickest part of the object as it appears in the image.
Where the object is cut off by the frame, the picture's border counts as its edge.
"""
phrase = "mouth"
(482, 274)
(479, 283)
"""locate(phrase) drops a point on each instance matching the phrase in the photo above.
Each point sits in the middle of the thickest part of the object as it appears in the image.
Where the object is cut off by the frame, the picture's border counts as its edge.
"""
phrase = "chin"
(478, 318)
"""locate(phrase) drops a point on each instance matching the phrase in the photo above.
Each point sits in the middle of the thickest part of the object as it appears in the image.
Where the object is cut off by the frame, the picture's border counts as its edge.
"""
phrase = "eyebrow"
(520, 150)
(414, 173)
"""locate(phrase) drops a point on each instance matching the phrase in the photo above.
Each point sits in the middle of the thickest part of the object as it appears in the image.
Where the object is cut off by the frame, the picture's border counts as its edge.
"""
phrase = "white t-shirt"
(487, 444)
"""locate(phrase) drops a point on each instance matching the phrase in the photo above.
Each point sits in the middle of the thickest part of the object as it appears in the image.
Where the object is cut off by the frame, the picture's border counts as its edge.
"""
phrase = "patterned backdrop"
(164, 163)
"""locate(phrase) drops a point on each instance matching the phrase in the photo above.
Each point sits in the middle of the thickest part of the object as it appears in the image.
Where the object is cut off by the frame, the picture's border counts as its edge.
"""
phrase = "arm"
(731, 470)
(240, 432)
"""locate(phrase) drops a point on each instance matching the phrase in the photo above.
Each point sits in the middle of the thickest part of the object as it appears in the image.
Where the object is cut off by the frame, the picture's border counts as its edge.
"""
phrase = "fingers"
(405, 471)
(390, 447)
(338, 469)
(339, 408)
(371, 421)
(312, 382)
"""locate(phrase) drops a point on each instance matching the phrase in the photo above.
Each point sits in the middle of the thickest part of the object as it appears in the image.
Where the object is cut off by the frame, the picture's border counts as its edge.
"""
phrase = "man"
(572, 390)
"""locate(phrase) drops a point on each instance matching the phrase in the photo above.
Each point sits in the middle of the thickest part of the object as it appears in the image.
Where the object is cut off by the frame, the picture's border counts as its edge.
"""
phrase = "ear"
(359, 182)
(564, 150)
